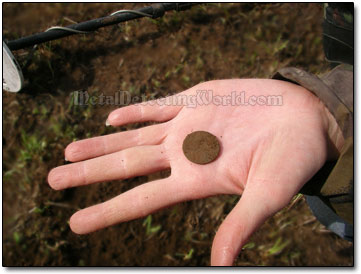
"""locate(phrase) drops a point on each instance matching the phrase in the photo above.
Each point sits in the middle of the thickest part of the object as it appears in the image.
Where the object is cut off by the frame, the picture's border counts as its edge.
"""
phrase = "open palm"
(267, 154)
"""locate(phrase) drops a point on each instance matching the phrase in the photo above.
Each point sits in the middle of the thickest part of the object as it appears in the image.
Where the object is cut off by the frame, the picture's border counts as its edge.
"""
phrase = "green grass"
(33, 146)
(186, 256)
(149, 228)
(278, 246)
(17, 237)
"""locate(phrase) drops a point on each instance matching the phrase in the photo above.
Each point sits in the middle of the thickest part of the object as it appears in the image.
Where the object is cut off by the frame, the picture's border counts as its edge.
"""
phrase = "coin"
(201, 147)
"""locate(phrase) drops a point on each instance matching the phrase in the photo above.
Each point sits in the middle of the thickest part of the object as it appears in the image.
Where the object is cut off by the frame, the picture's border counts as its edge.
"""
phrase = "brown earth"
(151, 58)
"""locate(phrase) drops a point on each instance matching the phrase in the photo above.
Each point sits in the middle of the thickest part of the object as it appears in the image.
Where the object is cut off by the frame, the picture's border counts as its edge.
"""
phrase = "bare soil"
(152, 58)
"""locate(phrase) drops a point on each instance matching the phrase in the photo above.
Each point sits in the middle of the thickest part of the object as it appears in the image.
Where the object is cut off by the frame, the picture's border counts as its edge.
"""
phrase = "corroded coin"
(201, 147)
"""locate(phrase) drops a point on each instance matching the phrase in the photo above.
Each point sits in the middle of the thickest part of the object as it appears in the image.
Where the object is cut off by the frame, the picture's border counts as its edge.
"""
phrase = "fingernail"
(107, 124)
(55, 179)
(66, 159)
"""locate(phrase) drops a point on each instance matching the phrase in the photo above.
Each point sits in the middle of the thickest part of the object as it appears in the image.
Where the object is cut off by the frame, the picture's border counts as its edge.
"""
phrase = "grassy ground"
(152, 58)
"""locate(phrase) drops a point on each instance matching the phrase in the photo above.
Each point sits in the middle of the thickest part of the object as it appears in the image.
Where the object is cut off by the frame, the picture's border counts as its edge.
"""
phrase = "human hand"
(267, 154)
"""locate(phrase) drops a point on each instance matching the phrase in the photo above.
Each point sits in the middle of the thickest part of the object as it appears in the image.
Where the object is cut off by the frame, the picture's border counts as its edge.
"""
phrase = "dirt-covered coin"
(201, 147)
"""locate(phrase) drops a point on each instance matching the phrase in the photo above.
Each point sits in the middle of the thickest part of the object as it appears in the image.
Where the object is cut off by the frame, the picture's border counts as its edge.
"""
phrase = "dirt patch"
(151, 58)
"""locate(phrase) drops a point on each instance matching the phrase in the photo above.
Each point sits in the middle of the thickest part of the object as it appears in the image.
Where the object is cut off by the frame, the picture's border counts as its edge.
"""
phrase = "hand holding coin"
(264, 153)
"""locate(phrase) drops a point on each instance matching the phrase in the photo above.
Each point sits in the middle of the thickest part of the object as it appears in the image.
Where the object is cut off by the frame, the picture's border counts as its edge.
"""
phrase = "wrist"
(335, 139)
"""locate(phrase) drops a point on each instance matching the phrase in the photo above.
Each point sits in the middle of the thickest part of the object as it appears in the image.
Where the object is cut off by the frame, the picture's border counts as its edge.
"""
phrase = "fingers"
(131, 162)
(135, 203)
(102, 145)
(247, 216)
(156, 110)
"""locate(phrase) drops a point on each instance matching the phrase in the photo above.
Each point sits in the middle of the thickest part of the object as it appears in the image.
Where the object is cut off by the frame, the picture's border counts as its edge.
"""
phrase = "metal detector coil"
(13, 79)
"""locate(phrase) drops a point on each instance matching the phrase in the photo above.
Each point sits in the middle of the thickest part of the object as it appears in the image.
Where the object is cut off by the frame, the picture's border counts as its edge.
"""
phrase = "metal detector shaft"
(155, 11)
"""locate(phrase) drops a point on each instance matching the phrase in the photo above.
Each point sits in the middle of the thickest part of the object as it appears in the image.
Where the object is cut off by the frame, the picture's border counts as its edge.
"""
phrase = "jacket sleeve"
(334, 182)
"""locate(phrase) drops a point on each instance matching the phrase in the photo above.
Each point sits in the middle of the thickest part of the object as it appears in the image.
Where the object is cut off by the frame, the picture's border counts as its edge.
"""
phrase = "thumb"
(277, 175)
(247, 216)
(269, 188)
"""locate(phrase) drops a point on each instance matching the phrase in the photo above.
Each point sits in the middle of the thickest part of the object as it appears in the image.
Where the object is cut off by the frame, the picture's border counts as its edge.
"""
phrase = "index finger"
(155, 110)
